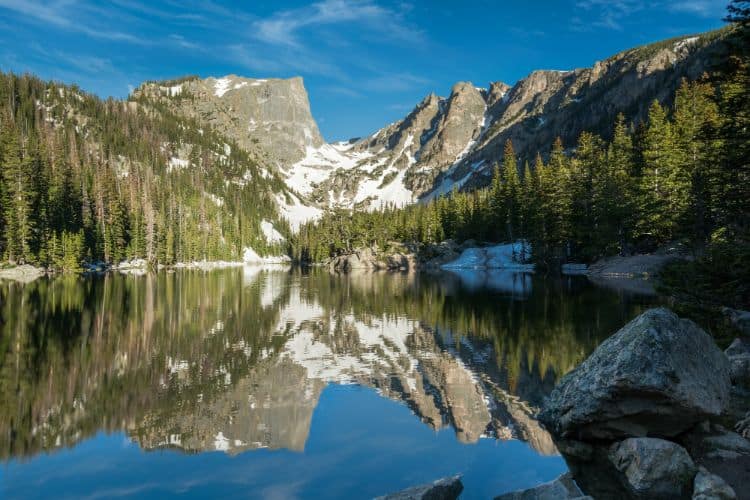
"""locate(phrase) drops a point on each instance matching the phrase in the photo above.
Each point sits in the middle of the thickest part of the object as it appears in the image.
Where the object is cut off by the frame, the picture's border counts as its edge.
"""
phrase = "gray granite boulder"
(707, 486)
(448, 488)
(657, 376)
(653, 468)
(562, 488)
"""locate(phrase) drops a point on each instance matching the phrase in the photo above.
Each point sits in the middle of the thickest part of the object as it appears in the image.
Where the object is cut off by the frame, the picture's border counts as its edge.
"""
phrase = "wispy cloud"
(282, 27)
(607, 14)
(612, 14)
(702, 8)
(69, 15)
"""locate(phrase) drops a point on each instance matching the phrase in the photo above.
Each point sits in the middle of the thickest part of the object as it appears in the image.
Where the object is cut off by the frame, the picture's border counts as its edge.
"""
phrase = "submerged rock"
(448, 488)
(653, 468)
(562, 488)
(707, 486)
(658, 376)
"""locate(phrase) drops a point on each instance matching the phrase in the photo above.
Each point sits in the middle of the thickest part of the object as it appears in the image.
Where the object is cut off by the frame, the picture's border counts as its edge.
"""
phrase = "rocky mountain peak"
(270, 116)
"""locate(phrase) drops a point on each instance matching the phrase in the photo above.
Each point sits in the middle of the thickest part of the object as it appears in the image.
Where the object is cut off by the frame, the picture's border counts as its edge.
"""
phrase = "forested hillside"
(682, 175)
(86, 180)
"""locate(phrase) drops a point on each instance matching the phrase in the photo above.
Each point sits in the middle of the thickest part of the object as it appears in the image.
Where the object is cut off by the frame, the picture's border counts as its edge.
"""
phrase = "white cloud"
(69, 15)
(282, 28)
(702, 8)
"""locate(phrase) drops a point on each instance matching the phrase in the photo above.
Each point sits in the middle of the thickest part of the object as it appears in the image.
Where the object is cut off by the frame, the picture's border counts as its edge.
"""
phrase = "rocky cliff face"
(271, 116)
(462, 137)
(444, 142)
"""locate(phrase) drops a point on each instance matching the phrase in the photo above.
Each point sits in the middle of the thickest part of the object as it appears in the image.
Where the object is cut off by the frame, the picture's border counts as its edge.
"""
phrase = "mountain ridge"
(443, 143)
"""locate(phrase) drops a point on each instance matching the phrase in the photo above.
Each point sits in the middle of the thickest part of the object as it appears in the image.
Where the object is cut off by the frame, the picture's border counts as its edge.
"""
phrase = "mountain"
(444, 142)
(270, 116)
(226, 168)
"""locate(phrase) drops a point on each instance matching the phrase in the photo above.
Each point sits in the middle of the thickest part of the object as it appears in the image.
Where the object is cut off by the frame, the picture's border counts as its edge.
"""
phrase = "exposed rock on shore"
(658, 376)
(448, 488)
(653, 468)
(634, 419)
(23, 274)
(562, 488)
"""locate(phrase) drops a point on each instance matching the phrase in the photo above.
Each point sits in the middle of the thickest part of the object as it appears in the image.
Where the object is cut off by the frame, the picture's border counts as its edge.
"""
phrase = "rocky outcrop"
(562, 488)
(631, 266)
(371, 259)
(653, 468)
(448, 488)
(269, 116)
(23, 274)
(739, 362)
(658, 376)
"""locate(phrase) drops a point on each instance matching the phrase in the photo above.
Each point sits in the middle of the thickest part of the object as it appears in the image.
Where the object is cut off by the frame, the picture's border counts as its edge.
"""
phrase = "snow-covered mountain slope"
(444, 142)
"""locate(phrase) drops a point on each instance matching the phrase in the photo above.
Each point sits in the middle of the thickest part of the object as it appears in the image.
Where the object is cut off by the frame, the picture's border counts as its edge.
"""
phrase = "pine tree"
(696, 119)
(511, 189)
(19, 198)
(585, 172)
(658, 191)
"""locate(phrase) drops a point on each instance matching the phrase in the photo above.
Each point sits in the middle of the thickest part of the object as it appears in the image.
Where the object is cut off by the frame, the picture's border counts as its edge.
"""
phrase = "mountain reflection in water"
(236, 360)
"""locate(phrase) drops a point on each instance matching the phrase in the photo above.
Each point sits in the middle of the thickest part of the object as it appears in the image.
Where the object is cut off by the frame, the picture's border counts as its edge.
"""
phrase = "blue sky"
(365, 62)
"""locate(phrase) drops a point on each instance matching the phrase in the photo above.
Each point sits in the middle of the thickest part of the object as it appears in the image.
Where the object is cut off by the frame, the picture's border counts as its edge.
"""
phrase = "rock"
(658, 376)
(653, 468)
(739, 362)
(448, 488)
(739, 319)
(707, 486)
(23, 274)
(715, 442)
(631, 266)
(560, 489)
(370, 259)
(274, 113)
(743, 426)
(434, 256)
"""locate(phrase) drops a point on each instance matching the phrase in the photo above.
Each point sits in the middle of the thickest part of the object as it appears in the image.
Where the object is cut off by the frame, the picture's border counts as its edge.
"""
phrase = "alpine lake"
(285, 383)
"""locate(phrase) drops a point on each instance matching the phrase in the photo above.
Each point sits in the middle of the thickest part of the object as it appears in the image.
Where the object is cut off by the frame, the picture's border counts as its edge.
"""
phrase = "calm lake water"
(287, 384)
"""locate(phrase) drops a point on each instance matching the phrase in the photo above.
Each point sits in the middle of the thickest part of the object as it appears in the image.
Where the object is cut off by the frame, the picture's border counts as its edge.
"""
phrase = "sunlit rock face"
(270, 116)
(447, 142)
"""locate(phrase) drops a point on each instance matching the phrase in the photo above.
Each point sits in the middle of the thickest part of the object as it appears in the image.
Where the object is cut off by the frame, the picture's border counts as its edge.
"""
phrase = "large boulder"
(448, 488)
(562, 488)
(739, 362)
(653, 468)
(658, 376)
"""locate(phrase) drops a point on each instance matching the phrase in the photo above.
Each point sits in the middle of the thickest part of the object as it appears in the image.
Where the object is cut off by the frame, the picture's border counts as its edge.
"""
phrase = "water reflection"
(237, 360)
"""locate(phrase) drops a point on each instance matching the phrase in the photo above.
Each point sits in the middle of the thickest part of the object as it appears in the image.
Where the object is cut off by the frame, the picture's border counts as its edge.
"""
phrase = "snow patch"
(177, 164)
(221, 86)
(295, 212)
(270, 232)
(250, 256)
(507, 256)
